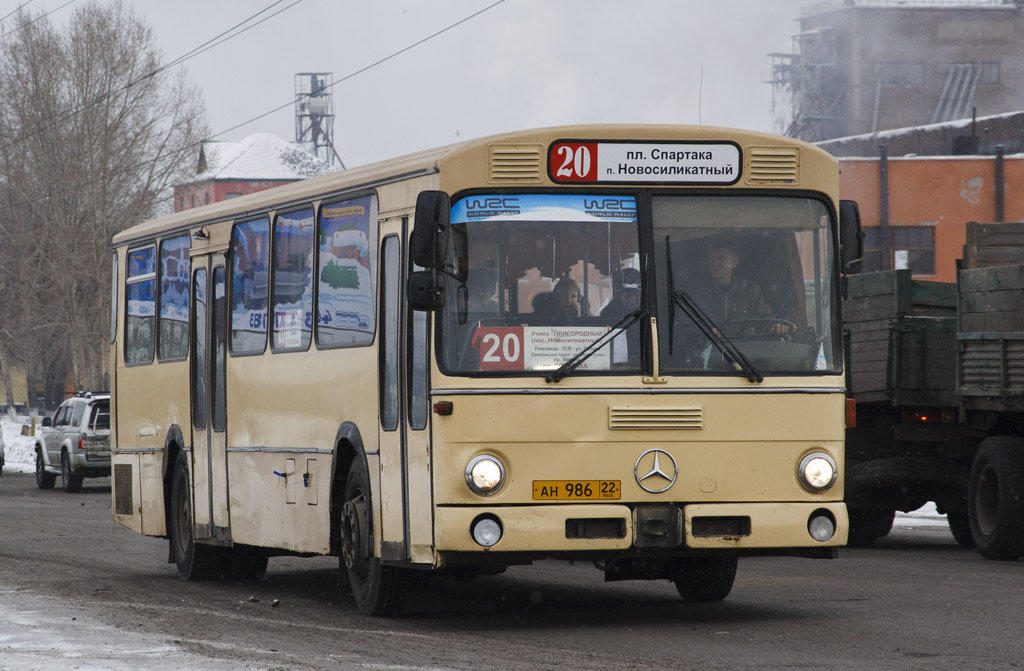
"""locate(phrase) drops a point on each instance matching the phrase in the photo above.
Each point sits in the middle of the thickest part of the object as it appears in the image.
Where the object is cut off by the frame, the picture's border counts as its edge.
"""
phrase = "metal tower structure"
(314, 114)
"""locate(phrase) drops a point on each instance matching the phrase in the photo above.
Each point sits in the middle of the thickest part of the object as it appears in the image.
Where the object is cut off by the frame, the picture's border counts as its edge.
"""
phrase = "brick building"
(231, 169)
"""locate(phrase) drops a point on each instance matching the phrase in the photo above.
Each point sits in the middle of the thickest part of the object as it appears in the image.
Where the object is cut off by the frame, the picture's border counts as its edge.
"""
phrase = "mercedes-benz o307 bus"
(478, 356)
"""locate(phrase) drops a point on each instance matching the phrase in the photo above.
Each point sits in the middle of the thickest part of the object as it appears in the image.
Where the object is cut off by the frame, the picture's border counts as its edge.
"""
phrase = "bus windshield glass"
(535, 279)
(744, 283)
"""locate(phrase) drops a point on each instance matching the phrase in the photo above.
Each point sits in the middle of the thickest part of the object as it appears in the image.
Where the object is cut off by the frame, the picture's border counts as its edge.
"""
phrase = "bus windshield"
(744, 277)
(534, 279)
(742, 284)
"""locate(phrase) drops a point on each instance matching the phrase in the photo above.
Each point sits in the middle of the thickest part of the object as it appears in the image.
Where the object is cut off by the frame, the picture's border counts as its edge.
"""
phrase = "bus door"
(209, 400)
(405, 481)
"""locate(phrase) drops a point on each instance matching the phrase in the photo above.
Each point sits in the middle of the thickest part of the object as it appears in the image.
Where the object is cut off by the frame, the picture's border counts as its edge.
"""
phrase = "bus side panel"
(284, 411)
(142, 424)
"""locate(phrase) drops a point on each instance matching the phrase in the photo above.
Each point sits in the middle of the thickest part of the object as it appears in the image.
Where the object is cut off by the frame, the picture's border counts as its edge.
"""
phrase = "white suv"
(75, 443)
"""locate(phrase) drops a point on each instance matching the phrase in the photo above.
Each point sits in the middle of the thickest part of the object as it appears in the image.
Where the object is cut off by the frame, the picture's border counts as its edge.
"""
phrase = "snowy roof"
(261, 156)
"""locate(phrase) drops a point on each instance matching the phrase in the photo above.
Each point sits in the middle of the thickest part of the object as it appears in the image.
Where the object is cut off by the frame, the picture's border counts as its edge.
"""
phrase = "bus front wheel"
(703, 579)
(195, 562)
(376, 587)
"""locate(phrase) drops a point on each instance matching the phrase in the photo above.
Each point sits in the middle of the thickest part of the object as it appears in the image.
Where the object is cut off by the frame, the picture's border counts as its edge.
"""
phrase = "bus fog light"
(486, 531)
(817, 472)
(485, 474)
(821, 526)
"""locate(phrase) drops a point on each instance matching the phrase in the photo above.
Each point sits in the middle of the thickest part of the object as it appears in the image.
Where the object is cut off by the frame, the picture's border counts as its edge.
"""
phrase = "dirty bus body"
(544, 368)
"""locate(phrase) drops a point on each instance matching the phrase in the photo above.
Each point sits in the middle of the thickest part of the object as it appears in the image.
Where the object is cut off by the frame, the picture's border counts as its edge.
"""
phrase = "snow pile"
(19, 453)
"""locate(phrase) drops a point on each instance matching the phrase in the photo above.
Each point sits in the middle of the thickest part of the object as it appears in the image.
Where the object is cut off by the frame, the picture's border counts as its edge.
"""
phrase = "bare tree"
(93, 133)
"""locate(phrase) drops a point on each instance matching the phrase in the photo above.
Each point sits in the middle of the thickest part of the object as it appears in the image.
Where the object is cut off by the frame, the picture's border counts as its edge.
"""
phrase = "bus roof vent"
(644, 418)
(515, 163)
(773, 165)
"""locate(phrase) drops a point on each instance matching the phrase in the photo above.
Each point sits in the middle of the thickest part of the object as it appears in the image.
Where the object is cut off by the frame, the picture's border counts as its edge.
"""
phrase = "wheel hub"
(352, 518)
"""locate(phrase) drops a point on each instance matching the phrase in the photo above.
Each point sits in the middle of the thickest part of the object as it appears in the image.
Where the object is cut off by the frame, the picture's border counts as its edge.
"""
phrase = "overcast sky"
(519, 64)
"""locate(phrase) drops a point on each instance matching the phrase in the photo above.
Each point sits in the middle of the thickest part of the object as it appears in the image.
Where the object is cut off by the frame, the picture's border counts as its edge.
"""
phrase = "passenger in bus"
(625, 294)
(562, 304)
(625, 299)
(481, 285)
(733, 302)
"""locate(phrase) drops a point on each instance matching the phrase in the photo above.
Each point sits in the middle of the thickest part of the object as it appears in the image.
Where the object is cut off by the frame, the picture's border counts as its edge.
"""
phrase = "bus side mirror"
(430, 229)
(423, 291)
(851, 236)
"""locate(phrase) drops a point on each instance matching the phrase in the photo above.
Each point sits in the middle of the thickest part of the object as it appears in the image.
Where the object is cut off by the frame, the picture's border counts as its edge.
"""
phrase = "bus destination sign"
(648, 162)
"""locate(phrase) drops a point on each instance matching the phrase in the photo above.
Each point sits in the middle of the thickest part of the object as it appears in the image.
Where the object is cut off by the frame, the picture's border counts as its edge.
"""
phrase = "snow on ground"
(21, 459)
(41, 633)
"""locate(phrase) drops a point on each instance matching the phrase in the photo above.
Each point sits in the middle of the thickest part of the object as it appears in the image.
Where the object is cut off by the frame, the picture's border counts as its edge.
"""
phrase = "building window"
(910, 247)
(232, 194)
(904, 75)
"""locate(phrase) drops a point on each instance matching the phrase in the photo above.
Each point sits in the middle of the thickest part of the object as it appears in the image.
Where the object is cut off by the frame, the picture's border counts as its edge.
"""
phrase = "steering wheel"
(760, 328)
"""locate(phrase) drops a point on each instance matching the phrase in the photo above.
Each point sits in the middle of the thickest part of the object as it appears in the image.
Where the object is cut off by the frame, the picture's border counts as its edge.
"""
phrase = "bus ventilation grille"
(123, 504)
(515, 163)
(655, 418)
(773, 165)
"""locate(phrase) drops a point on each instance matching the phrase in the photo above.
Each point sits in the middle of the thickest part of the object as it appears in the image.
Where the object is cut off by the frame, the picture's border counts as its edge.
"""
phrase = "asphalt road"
(78, 591)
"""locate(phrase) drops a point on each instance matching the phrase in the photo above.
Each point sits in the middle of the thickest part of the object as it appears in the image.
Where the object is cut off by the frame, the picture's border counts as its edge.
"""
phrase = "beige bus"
(614, 343)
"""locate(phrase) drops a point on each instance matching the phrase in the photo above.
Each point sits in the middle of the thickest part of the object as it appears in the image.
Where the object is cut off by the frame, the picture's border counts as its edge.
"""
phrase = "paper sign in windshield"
(538, 347)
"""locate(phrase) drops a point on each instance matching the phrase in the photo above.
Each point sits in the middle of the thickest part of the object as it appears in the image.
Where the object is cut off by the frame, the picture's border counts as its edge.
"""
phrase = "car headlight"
(485, 474)
(818, 472)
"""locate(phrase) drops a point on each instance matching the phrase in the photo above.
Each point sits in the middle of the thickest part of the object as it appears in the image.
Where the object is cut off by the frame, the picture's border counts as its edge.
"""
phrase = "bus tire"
(72, 483)
(44, 480)
(195, 562)
(704, 579)
(375, 587)
(995, 498)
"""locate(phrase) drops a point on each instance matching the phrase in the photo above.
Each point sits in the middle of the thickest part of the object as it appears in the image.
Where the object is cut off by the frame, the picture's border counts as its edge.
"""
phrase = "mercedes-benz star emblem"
(658, 475)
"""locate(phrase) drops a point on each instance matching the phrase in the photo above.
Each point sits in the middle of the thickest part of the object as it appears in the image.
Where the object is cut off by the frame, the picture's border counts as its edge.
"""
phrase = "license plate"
(576, 490)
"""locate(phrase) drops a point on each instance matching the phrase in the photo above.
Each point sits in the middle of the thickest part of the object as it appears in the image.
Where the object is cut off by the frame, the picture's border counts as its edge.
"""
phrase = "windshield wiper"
(711, 331)
(576, 361)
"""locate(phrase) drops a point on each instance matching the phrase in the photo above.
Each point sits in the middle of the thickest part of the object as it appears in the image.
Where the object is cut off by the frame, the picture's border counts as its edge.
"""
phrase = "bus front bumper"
(556, 528)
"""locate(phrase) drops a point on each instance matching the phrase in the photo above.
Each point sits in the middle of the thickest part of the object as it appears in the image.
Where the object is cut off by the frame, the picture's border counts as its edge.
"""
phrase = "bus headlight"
(817, 472)
(485, 474)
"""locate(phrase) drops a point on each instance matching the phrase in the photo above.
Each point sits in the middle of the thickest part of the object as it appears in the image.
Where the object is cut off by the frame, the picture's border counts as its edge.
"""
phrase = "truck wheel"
(195, 561)
(44, 480)
(959, 524)
(867, 525)
(704, 579)
(996, 498)
(377, 588)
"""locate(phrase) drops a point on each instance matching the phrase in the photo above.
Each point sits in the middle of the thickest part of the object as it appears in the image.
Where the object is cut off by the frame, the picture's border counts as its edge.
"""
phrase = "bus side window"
(172, 338)
(140, 299)
(250, 283)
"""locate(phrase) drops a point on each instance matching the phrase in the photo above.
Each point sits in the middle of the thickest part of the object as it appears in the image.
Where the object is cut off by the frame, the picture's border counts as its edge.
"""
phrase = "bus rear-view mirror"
(430, 229)
(851, 236)
(424, 291)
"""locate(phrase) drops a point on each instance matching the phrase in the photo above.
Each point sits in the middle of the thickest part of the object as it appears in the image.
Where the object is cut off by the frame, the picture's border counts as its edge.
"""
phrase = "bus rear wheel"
(375, 587)
(996, 498)
(195, 562)
(704, 579)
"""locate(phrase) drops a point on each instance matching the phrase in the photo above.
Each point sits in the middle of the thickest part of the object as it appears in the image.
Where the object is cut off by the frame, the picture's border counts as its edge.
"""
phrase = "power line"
(15, 10)
(52, 121)
(191, 147)
(38, 18)
(364, 69)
